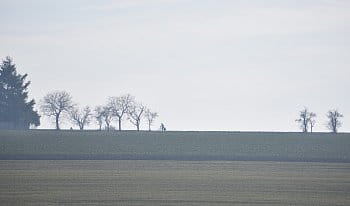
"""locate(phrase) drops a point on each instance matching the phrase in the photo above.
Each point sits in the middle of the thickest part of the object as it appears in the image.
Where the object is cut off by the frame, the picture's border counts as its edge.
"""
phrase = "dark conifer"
(15, 108)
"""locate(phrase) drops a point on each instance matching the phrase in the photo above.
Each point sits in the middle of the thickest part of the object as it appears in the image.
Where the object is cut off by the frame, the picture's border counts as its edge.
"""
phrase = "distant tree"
(303, 120)
(306, 119)
(120, 106)
(99, 116)
(162, 127)
(334, 120)
(107, 116)
(135, 114)
(82, 117)
(150, 116)
(15, 107)
(55, 104)
(312, 121)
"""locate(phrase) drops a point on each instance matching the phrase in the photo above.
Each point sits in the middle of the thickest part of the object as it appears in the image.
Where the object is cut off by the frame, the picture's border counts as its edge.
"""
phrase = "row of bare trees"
(59, 105)
(307, 120)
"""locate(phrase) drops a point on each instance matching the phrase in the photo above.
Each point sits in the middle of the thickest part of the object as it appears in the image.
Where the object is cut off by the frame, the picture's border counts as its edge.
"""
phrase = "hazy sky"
(202, 65)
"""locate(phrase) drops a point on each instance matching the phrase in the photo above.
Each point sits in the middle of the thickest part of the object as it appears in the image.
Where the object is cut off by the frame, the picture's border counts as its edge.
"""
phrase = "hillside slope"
(267, 146)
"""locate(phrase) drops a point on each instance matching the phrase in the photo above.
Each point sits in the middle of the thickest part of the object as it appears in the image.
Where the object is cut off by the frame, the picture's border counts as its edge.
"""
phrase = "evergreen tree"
(15, 107)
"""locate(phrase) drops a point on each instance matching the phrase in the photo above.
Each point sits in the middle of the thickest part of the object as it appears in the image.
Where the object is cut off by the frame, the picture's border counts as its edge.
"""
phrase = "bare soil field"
(164, 182)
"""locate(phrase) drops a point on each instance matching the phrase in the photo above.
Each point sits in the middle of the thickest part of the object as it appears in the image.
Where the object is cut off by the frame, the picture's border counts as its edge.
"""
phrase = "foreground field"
(147, 182)
(127, 145)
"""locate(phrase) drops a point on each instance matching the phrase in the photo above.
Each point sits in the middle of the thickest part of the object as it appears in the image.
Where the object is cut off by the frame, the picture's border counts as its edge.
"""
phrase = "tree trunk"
(138, 126)
(149, 126)
(120, 124)
(57, 124)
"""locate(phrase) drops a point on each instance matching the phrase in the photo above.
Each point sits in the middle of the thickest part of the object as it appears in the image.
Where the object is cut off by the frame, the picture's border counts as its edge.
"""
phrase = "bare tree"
(150, 116)
(312, 121)
(306, 119)
(334, 120)
(55, 104)
(81, 118)
(303, 119)
(120, 106)
(135, 114)
(107, 116)
(99, 116)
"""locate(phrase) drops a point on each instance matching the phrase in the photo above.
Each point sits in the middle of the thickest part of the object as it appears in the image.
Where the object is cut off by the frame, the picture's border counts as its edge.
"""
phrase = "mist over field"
(213, 65)
(175, 102)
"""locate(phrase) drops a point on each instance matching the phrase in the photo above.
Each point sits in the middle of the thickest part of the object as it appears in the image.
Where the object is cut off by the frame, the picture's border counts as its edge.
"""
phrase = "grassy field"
(265, 146)
(41, 167)
(163, 182)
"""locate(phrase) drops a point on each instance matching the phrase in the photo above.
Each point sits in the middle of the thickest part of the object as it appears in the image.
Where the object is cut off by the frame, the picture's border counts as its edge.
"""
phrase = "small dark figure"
(162, 127)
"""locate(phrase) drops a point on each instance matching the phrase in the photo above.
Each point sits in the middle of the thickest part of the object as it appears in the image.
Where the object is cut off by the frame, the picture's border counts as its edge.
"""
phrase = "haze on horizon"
(202, 65)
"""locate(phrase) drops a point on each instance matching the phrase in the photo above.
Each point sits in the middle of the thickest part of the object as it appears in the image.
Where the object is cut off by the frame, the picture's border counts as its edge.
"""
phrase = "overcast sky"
(202, 65)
